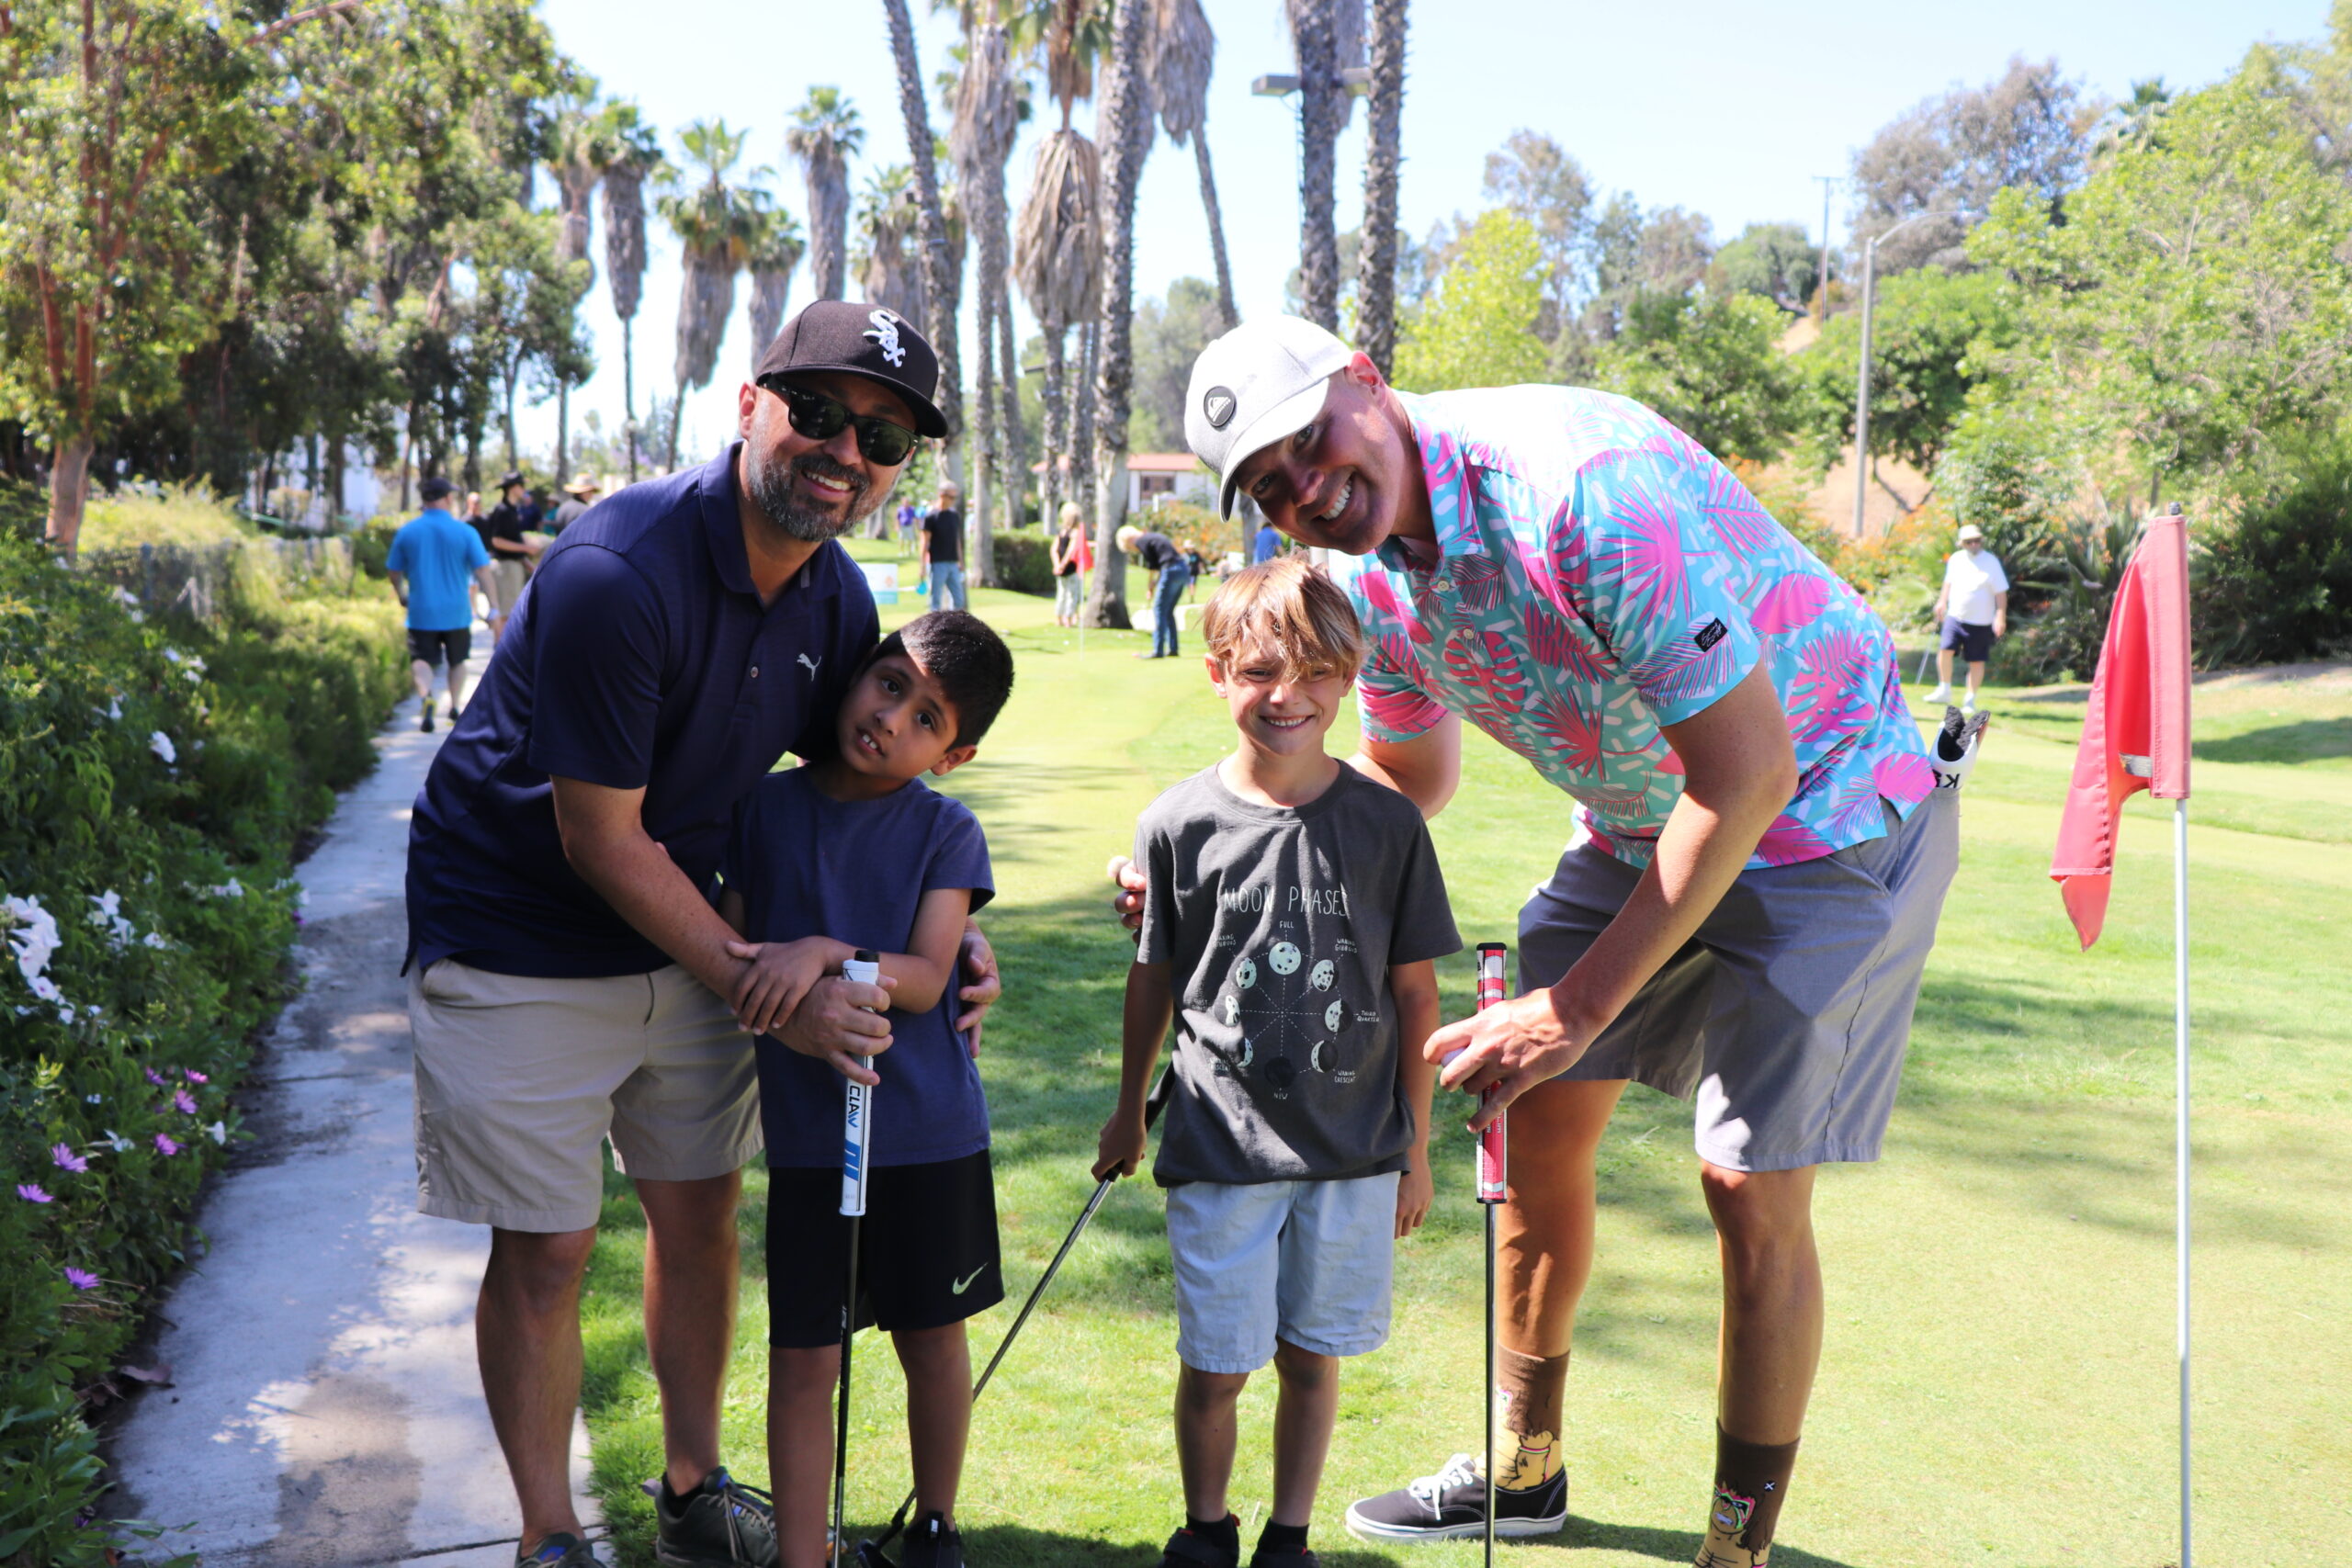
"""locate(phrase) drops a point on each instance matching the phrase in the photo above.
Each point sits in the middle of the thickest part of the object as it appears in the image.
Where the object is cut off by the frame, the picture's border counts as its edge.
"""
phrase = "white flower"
(123, 597)
(193, 675)
(45, 988)
(108, 914)
(94, 1100)
(173, 654)
(64, 1014)
(112, 710)
(220, 1133)
(34, 940)
(154, 940)
(160, 744)
(117, 1142)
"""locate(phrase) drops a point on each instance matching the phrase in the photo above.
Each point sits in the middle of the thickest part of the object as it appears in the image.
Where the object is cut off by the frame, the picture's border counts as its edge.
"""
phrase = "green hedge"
(1023, 563)
(156, 776)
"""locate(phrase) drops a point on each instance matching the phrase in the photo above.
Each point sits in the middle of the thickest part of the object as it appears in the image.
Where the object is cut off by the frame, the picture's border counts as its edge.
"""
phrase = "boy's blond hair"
(1289, 606)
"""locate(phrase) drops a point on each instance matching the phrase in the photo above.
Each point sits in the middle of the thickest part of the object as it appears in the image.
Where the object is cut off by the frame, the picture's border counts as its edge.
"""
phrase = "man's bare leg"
(527, 1338)
(1976, 679)
(1769, 1350)
(1943, 671)
(420, 675)
(690, 1293)
(456, 686)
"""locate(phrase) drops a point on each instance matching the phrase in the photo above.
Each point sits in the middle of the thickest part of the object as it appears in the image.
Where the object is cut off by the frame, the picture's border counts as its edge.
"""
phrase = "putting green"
(1997, 1386)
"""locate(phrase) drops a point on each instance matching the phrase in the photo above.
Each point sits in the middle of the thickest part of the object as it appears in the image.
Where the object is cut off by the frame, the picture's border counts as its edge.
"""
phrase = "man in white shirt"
(1974, 609)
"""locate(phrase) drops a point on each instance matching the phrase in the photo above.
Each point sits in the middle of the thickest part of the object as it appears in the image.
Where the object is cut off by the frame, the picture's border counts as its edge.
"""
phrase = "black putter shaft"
(857, 1130)
(1151, 1108)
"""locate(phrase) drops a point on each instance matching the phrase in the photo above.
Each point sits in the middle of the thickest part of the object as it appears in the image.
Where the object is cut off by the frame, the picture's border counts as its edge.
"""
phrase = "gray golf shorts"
(1787, 1015)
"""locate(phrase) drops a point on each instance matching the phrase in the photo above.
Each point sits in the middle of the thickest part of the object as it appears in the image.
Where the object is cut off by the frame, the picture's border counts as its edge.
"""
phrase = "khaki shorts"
(508, 575)
(521, 1078)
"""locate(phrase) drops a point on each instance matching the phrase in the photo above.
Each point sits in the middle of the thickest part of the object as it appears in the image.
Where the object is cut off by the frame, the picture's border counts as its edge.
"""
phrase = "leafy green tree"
(1533, 176)
(1476, 327)
(2198, 295)
(1711, 364)
(1934, 337)
(1168, 335)
(1772, 261)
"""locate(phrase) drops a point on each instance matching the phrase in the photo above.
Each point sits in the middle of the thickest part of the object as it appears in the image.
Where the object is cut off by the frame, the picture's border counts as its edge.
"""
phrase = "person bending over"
(1295, 913)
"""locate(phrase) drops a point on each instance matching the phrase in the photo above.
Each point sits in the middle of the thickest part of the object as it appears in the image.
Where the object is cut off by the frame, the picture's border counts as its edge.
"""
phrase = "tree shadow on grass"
(2305, 741)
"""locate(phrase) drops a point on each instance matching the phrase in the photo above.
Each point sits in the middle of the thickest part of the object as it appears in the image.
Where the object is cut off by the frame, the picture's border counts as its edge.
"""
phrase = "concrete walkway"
(326, 1410)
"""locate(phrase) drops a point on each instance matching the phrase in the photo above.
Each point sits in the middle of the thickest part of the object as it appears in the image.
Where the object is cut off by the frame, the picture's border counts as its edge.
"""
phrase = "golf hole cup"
(857, 1108)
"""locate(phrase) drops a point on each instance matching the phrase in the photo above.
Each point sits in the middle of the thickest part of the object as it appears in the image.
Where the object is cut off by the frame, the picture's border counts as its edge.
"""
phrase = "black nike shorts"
(927, 1250)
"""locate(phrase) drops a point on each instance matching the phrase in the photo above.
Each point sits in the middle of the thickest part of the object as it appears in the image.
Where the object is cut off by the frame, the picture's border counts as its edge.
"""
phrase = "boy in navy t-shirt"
(854, 851)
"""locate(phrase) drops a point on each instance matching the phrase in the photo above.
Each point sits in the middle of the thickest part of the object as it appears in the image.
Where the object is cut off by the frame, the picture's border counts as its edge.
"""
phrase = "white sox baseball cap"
(1252, 387)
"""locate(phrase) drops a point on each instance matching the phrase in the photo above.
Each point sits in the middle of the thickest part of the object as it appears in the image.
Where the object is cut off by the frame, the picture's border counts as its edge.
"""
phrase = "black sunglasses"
(820, 418)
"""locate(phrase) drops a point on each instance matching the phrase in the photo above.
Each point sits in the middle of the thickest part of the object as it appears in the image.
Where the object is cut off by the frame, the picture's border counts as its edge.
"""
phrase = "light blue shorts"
(1305, 1262)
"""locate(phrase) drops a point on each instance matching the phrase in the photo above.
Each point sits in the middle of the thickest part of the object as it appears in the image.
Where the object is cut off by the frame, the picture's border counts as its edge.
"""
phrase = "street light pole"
(1862, 375)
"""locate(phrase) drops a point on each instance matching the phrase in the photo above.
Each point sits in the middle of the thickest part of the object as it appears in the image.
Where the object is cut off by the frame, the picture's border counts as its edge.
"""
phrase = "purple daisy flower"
(180, 1098)
(68, 1160)
(154, 1078)
(81, 1278)
(195, 1076)
(165, 1144)
(32, 1194)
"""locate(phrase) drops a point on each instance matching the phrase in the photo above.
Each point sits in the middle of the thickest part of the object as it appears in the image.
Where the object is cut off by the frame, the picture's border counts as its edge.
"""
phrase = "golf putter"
(1493, 1173)
(871, 1554)
(857, 1129)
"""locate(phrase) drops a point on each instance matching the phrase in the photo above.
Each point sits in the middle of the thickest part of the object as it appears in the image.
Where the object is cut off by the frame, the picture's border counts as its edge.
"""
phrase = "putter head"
(870, 1555)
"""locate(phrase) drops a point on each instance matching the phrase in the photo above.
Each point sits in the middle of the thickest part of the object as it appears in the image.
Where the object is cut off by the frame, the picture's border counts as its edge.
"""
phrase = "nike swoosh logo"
(960, 1286)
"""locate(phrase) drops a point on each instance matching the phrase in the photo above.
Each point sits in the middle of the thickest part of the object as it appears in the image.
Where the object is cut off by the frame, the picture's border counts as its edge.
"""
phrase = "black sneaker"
(1453, 1504)
(559, 1551)
(1185, 1550)
(1285, 1556)
(426, 724)
(932, 1544)
(720, 1524)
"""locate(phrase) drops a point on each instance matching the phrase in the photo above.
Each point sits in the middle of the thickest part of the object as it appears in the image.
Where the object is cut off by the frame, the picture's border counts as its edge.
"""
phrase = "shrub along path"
(326, 1410)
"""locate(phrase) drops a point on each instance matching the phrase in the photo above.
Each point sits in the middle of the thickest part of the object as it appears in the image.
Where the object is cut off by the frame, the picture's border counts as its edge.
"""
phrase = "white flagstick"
(2181, 1152)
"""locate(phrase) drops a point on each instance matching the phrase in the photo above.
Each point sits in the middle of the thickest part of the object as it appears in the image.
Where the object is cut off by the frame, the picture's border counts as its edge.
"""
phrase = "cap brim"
(929, 420)
(1270, 427)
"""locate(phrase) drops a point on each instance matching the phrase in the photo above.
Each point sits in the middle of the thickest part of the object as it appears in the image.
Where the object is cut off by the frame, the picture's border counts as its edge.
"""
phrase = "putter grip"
(857, 1105)
(1493, 1170)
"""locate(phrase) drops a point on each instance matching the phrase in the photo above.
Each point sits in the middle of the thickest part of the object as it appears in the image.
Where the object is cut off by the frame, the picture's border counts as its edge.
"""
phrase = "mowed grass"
(1998, 1382)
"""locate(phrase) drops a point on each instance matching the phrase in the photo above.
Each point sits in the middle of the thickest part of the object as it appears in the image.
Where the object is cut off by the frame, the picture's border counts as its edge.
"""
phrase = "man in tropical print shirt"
(1760, 856)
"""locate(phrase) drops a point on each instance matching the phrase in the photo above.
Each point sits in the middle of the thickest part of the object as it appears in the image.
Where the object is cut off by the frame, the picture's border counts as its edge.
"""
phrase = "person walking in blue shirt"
(1267, 545)
(432, 556)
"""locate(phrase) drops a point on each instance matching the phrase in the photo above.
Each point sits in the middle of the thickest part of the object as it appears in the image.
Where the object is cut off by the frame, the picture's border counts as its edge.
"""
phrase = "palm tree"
(776, 249)
(578, 153)
(1376, 259)
(634, 157)
(987, 115)
(940, 260)
(1320, 32)
(1057, 240)
(1181, 54)
(825, 135)
(1125, 129)
(716, 224)
(883, 258)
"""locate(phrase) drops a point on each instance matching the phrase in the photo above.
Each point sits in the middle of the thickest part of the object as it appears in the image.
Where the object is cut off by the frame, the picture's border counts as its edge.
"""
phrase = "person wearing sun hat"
(579, 496)
(1972, 610)
(1760, 858)
(569, 979)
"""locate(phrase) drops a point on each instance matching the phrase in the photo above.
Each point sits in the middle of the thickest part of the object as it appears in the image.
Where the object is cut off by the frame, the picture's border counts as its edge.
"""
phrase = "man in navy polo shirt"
(569, 976)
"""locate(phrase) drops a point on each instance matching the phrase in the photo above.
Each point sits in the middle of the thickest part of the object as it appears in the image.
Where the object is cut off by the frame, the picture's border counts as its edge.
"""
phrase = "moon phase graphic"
(1282, 1001)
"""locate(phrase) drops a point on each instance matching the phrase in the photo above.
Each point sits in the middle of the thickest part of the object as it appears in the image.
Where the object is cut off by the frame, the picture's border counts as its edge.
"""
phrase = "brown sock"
(1751, 1483)
(1528, 1397)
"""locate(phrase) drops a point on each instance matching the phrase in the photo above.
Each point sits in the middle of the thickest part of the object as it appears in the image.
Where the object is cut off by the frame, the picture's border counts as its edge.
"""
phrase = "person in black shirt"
(943, 551)
(1157, 554)
(510, 551)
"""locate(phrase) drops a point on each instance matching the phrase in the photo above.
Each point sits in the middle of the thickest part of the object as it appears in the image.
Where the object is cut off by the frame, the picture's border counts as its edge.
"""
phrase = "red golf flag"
(2135, 736)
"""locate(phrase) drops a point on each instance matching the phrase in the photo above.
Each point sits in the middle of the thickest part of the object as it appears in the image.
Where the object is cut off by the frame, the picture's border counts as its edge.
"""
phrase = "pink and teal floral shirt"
(1597, 575)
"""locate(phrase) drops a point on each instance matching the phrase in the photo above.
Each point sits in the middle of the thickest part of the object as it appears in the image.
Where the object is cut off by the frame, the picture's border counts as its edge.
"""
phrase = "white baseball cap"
(1255, 385)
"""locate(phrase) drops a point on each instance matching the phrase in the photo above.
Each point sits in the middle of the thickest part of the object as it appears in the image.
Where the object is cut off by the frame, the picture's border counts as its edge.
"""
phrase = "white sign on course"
(882, 581)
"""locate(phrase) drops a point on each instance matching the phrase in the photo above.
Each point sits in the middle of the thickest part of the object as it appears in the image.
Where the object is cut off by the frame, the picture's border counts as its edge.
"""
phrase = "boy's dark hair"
(964, 654)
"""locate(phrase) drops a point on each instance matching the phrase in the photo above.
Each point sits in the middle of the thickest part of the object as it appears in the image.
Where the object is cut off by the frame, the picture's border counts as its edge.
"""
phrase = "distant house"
(1151, 476)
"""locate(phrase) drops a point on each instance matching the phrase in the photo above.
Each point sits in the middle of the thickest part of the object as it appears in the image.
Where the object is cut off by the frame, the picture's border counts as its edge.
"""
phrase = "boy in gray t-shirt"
(1293, 917)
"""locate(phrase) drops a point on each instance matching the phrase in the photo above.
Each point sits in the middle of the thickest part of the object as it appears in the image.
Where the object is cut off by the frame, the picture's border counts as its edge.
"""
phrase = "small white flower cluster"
(160, 744)
(124, 597)
(113, 709)
(231, 889)
(190, 664)
(109, 917)
(32, 937)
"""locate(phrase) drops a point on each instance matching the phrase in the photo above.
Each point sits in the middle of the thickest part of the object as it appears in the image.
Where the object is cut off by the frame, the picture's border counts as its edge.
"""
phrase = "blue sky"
(1727, 109)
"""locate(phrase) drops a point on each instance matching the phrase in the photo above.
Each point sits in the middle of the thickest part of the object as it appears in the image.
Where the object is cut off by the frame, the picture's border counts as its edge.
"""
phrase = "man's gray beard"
(770, 477)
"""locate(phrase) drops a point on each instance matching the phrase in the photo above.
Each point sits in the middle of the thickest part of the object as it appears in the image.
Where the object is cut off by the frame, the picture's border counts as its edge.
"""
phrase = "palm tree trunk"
(1081, 417)
(1017, 440)
(628, 390)
(1376, 264)
(69, 492)
(1126, 133)
(1056, 422)
(562, 428)
(677, 412)
(939, 285)
(990, 478)
(1322, 110)
(1216, 228)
